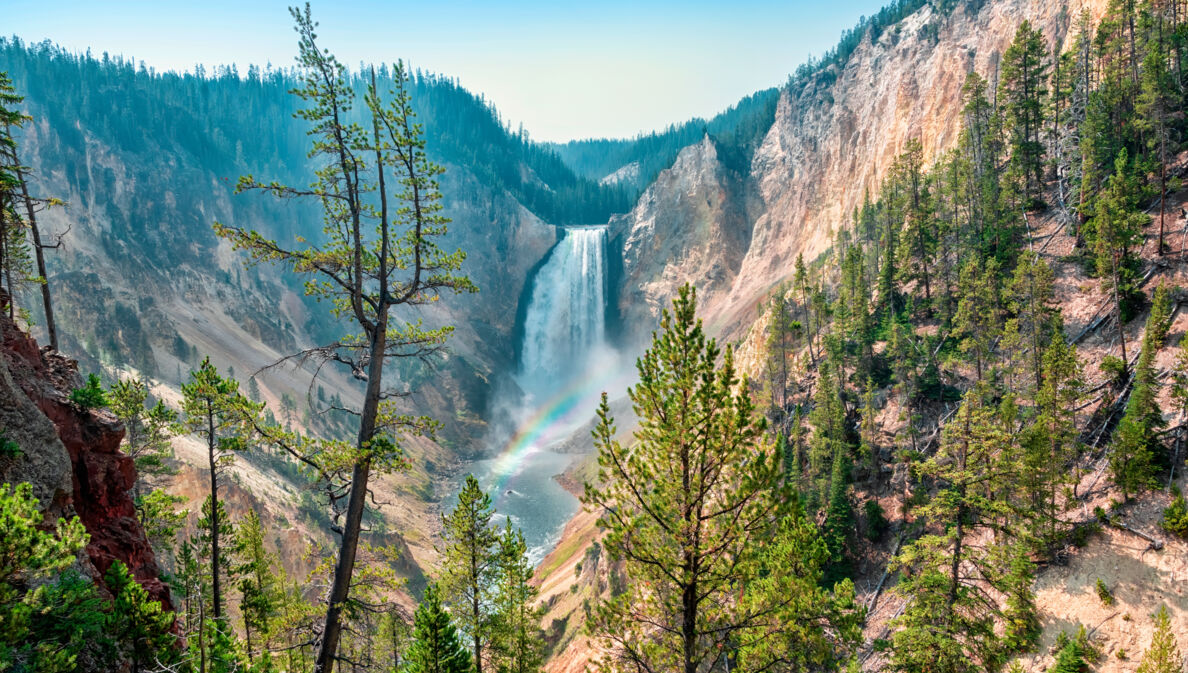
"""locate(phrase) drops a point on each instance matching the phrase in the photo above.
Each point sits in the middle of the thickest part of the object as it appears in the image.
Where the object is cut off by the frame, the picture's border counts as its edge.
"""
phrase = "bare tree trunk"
(348, 549)
(1118, 311)
(39, 250)
(1162, 191)
(215, 585)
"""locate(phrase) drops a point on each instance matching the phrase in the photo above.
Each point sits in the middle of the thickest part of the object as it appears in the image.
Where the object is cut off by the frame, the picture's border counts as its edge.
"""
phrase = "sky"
(565, 70)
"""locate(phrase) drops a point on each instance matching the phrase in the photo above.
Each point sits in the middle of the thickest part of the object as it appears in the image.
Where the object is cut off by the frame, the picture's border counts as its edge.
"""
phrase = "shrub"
(1175, 517)
(1103, 592)
(1069, 660)
(91, 395)
(1074, 654)
(8, 448)
(876, 522)
(1113, 367)
(1083, 533)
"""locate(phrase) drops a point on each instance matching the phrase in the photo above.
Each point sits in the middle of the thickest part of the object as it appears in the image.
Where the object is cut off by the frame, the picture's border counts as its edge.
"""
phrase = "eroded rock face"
(832, 140)
(71, 457)
(690, 225)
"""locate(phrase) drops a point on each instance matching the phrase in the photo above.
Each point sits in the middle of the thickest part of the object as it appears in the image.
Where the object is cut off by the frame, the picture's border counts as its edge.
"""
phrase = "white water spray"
(565, 324)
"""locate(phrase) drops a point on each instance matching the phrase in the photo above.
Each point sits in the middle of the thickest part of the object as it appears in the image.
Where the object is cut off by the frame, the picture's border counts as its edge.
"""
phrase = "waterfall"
(565, 363)
(565, 324)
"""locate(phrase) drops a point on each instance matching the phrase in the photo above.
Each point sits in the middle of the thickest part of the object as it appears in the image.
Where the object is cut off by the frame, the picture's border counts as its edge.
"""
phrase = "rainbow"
(552, 421)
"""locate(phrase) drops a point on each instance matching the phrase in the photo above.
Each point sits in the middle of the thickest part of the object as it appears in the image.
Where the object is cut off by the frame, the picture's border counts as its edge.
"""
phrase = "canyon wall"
(835, 136)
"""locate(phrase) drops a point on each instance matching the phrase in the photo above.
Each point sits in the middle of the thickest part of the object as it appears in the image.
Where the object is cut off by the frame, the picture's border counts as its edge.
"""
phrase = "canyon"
(564, 306)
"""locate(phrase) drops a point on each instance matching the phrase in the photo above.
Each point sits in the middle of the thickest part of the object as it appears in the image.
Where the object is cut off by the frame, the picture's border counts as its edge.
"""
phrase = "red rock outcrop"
(100, 475)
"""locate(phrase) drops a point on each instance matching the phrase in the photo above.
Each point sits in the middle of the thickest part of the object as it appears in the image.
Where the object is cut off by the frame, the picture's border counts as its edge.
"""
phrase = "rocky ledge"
(71, 456)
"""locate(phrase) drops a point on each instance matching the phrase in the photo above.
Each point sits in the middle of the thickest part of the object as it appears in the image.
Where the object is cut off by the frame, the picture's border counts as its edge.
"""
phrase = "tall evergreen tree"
(978, 319)
(949, 626)
(258, 587)
(918, 244)
(1156, 103)
(469, 566)
(1137, 451)
(376, 256)
(148, 434)
(137, 623)
(517, 641)
(683, 504)
(435, 647)
(806, 626)
(224, 419)
(1023, 96)
(1117, 226)
(15, 200)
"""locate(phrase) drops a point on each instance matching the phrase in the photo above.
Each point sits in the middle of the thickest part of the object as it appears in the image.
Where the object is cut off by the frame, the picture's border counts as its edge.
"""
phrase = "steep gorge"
(835, 135)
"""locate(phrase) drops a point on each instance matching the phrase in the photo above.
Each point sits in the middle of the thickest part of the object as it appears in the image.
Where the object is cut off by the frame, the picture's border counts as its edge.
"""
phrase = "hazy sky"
(564, 69)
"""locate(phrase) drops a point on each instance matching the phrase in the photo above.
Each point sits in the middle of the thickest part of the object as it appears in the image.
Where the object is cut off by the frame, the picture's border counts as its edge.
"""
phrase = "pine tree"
(218, 413)
(780, 346)
(977, 320)
(517, 640)
(137, 623)
(683, 504)
(14, 196)
(918, 244)
(828, 418)
(980, 141)
(1021, 625)
(393, 638)
(258, 586)
(1050, 444)
(1117, 226)
(47, 612)
(1156, 103)
(436, 647)
(469, 566)
(147, 430)
(854, 297)
(148, 434)
(949, 626)
(216, 569)
(1031, 295)
(1137, 450)
(1023, 95)
(867, 429)
(839, 520)
(810, 626)
(1163, 655)
(381, 250)
(800, 281)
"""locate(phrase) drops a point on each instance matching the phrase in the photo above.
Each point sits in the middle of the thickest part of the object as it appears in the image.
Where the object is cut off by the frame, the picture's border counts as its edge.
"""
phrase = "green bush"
(8, 448)
(91, 395)
(1103, 592)
(1069, 660)
(1074, 654)
(1113, 367)
(1175, 517)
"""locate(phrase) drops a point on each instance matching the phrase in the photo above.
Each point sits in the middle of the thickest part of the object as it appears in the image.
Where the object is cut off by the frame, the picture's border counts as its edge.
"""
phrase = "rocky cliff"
(692, 223)
(834, 137)
(71, 456)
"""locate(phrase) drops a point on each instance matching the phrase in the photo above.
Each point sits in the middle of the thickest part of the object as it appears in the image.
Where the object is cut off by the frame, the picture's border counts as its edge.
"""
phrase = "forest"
(198, 113)
(918, 382)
